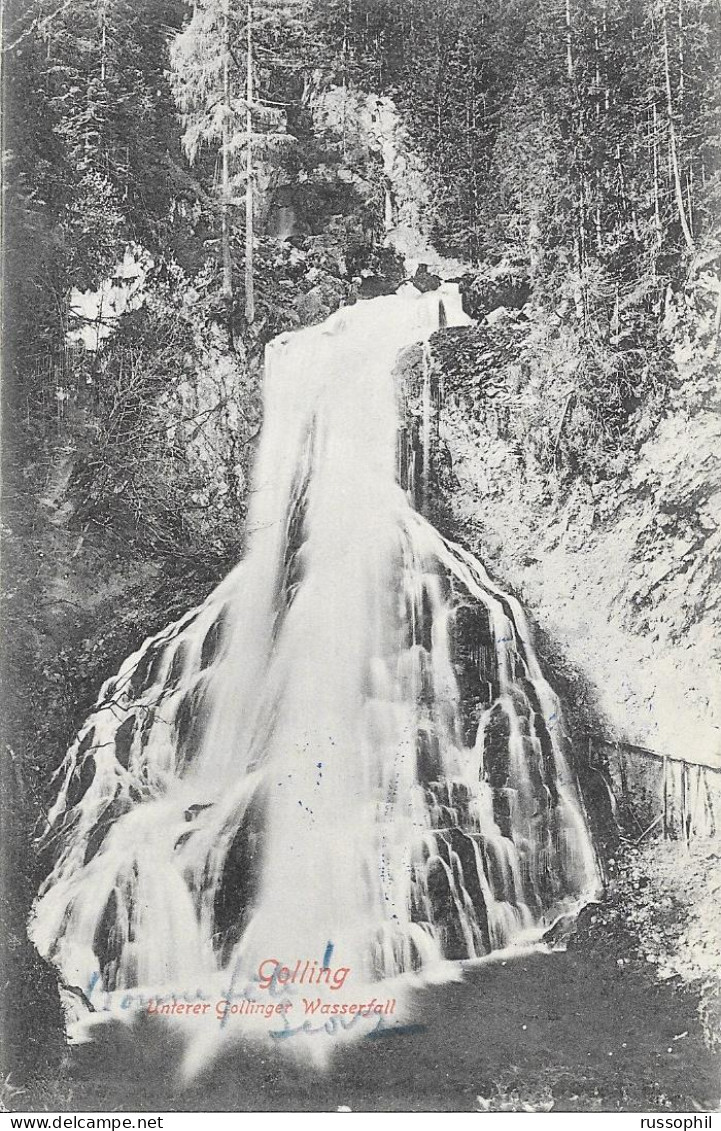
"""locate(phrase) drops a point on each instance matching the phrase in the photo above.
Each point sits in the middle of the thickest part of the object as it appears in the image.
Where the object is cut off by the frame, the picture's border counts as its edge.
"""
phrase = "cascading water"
(349, 744)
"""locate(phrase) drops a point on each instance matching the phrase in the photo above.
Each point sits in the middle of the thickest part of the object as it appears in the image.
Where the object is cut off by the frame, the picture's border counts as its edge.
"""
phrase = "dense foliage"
(130, 410)
(579, 134)
(573, 145)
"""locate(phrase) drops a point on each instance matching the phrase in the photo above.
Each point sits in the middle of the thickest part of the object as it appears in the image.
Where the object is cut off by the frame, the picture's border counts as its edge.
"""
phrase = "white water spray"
(349, 744)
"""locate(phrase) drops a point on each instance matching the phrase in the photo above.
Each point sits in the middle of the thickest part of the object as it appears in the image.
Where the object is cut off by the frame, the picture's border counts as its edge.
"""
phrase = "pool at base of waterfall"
(542, 1031)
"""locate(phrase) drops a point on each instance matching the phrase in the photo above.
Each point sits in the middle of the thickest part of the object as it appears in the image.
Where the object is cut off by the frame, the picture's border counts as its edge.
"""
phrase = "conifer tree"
(225, 67)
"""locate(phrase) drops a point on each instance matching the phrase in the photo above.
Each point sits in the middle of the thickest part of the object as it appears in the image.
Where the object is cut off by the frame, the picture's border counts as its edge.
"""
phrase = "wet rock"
(240, 880)
(444, 913)
(177, 667)
(115, 809)
(190, 723)
(502, 811)
(87, 773)
(147, 727)
(86, 742)
(464, 846)
(500, 877)
(111, 934)
(373, 286)
(496, 756)
(424, 281)
(192, 811)
(475, 664)
(139, 679)
(559, 933)
(124, 740)
(213, 639)
(428, 756)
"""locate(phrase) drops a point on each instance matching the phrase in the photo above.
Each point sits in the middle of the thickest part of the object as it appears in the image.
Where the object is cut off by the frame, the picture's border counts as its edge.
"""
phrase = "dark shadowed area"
(567, 1030)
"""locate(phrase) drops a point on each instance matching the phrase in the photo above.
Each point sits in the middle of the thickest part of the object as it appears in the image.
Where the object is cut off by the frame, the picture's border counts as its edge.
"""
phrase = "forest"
(185, 181)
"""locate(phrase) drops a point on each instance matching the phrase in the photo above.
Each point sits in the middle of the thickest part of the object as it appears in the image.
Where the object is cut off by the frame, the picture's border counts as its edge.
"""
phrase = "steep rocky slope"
(618, 566)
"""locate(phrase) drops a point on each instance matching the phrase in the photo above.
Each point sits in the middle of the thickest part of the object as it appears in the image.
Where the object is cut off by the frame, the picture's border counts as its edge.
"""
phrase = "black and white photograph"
(361, 558)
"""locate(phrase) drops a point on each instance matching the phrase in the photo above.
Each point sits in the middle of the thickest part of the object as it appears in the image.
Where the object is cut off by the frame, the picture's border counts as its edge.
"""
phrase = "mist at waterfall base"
(347, 754)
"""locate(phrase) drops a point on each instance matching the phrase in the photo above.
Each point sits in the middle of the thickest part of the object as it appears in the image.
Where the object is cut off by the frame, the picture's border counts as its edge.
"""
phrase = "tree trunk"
(597, 54)
(673, 144)
(569, 48)
(103, 44)
(225, 165)
(606, 71)
(656, 188)
(344, 54)
(681, 63)
(579, 297)
(249, 283)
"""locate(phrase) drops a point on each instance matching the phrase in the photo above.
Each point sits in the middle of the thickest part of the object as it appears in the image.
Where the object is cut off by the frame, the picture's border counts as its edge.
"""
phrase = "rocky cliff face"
(617, 564)
(608, 529)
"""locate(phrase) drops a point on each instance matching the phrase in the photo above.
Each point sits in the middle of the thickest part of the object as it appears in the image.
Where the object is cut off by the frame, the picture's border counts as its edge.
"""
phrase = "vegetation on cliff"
(571, 157)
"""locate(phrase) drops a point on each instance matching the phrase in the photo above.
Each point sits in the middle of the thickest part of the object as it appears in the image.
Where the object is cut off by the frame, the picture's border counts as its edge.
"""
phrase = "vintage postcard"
(361, 539)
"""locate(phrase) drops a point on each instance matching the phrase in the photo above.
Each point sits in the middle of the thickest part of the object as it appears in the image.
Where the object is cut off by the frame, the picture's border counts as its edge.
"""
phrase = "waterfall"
(349, 748)
(426, 429)
(388, 217)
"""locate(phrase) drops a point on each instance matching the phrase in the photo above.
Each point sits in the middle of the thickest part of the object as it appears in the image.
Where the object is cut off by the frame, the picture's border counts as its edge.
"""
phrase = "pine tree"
(89, 129)
(225, 74)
